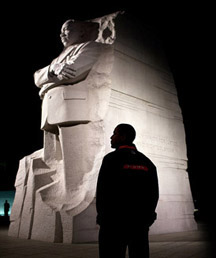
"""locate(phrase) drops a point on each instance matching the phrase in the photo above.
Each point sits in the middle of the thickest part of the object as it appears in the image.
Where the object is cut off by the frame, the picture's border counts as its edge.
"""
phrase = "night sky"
(30, 40)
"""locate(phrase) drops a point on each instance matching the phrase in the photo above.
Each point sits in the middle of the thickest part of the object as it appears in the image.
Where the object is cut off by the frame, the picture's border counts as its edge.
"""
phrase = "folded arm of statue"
(72, 69)
(62, 71)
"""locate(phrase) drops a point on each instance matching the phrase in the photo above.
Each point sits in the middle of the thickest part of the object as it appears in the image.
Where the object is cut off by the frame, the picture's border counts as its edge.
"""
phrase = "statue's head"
(76, 32)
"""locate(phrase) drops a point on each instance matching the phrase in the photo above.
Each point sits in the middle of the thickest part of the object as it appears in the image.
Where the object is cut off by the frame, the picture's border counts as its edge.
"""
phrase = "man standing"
(126, 198)
(6, 208)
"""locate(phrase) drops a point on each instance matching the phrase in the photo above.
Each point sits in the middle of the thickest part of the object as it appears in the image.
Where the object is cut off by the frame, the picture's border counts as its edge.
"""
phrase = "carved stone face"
(71, 33)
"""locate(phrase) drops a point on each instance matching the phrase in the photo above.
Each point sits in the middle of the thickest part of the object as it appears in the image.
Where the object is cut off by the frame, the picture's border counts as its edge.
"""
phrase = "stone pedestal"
(130, 84)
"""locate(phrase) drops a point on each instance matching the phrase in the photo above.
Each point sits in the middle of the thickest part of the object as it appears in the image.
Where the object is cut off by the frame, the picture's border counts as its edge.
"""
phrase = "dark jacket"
(127, 188)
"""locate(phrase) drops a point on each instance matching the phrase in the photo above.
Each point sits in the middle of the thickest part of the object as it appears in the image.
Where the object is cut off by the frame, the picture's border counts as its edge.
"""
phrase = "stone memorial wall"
(129, 83)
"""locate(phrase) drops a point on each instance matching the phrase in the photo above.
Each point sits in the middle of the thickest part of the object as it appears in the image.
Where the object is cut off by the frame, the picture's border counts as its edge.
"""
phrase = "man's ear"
(123, 138)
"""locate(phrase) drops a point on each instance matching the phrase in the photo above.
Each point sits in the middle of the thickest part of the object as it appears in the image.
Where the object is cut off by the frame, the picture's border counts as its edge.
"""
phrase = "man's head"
(76, 32)
(124, 134)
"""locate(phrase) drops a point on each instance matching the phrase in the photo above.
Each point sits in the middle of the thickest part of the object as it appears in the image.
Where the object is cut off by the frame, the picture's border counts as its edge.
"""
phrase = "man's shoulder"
(110, 154)
(146, 159)
(109, 159)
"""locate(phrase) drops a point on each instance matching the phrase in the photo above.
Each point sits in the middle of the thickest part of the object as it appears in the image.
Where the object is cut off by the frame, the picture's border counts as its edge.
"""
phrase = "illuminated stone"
(130, 82)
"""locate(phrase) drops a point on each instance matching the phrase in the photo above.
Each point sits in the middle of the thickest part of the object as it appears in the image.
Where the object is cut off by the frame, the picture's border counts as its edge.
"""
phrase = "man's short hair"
(128, 131)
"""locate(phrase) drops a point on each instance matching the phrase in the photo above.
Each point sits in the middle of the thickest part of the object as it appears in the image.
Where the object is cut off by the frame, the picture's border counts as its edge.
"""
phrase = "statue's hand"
(67, 72)
(63, 71)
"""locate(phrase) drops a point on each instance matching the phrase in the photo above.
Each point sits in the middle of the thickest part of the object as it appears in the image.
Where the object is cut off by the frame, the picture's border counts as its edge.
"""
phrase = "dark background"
(30, 40)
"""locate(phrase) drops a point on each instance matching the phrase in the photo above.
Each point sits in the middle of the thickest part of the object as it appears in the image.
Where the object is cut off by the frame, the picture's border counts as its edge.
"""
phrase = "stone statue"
(76, 60)
(81, 52)
(74, 91)
(112, 70)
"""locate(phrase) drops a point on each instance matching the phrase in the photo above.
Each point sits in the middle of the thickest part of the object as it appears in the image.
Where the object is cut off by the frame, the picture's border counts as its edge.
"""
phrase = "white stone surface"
(130, 83)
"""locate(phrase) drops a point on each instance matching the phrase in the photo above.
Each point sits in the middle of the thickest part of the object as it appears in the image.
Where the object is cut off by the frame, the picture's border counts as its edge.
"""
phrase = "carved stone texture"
(129, 81)
(61, 178)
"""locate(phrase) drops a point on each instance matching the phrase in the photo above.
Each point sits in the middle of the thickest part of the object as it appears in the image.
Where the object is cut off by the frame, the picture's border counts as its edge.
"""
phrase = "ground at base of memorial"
(190, 244)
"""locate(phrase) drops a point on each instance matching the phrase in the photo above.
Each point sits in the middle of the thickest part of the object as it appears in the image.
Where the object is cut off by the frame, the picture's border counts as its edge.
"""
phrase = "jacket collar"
(132, 147)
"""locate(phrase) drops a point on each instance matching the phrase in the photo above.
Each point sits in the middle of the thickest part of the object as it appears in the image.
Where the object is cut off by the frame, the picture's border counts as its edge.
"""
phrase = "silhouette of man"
(6, 208)
(126, 198)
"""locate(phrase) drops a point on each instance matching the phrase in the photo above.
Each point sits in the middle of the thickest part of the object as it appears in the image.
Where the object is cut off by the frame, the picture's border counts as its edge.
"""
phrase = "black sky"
(30, 40)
